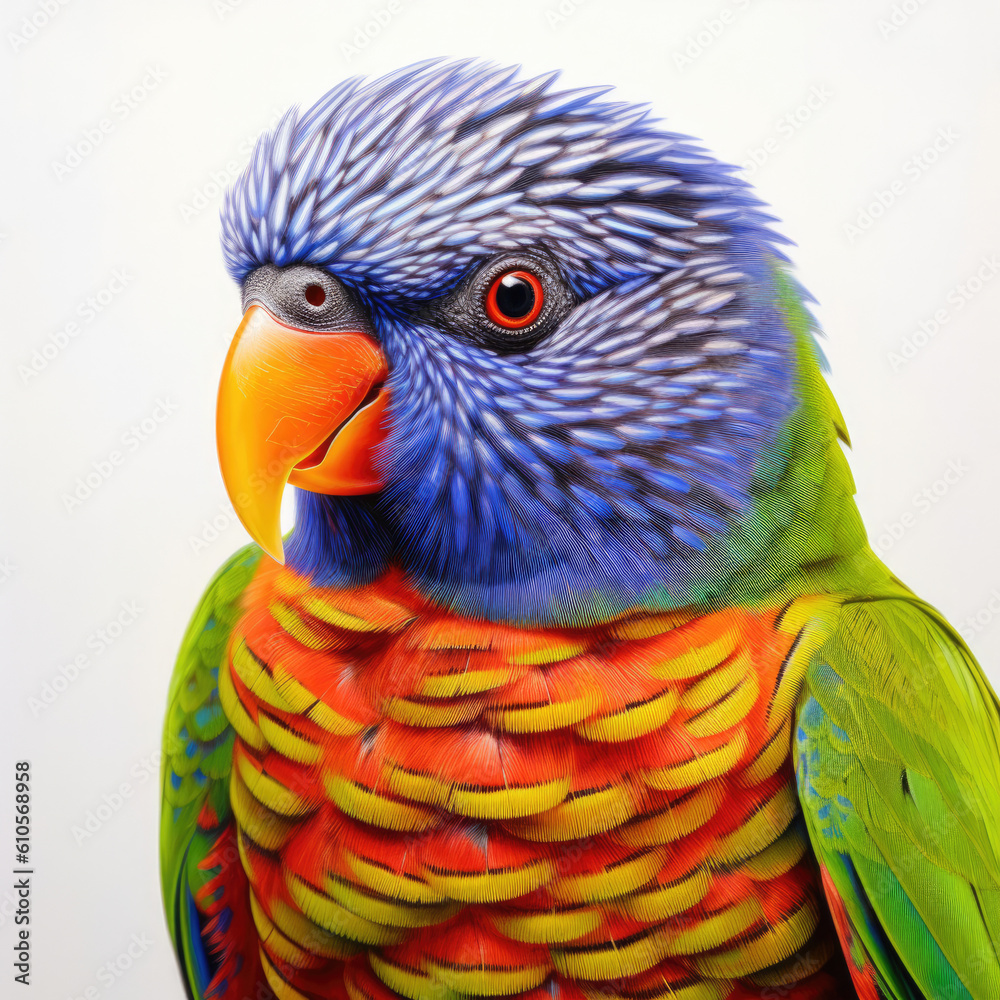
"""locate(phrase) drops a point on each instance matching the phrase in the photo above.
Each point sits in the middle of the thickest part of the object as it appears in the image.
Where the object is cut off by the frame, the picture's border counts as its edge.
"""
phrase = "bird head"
(520, 342)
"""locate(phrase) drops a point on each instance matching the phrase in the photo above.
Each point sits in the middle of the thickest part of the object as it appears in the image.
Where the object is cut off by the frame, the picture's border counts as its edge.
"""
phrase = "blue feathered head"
(586, 363)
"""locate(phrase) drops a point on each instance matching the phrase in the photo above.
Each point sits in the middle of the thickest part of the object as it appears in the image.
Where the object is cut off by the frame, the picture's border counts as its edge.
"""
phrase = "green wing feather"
(197, 757)
(897, 757)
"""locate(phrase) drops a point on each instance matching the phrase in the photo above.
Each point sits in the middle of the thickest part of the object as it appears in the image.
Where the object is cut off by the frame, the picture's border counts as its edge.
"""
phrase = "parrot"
(577, 677)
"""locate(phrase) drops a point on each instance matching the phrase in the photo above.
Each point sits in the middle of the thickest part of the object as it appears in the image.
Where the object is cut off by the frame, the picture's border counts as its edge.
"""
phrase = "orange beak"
(298, 407)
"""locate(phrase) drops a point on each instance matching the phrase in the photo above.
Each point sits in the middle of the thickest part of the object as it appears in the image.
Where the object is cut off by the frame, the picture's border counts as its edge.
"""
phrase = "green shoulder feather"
(196, 761)
(897, 756)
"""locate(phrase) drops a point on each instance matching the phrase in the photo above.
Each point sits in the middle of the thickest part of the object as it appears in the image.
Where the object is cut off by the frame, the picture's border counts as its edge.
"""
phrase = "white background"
(145, 201)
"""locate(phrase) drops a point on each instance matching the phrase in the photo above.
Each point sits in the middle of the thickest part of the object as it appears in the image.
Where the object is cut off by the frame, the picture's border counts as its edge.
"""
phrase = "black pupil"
(315, 295)
(515, 296)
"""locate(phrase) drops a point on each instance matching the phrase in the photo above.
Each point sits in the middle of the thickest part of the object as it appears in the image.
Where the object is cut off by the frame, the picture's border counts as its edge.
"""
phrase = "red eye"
(515, 300)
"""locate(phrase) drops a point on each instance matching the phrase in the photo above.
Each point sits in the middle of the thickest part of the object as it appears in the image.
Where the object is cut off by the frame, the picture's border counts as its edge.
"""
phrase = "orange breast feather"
(434, 807)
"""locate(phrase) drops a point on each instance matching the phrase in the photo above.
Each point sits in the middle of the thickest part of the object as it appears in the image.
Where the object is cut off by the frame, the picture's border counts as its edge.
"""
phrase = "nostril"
(315, 295)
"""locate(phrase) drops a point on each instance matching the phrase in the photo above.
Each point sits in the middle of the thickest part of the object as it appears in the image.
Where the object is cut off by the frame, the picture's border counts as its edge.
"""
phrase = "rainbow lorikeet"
(577, 676)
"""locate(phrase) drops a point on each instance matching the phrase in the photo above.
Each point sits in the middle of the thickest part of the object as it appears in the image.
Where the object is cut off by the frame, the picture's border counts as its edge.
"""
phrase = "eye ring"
(514, 300)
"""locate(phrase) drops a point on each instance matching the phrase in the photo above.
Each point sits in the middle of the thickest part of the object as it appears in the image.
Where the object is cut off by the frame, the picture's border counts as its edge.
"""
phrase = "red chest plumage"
(432, 806)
